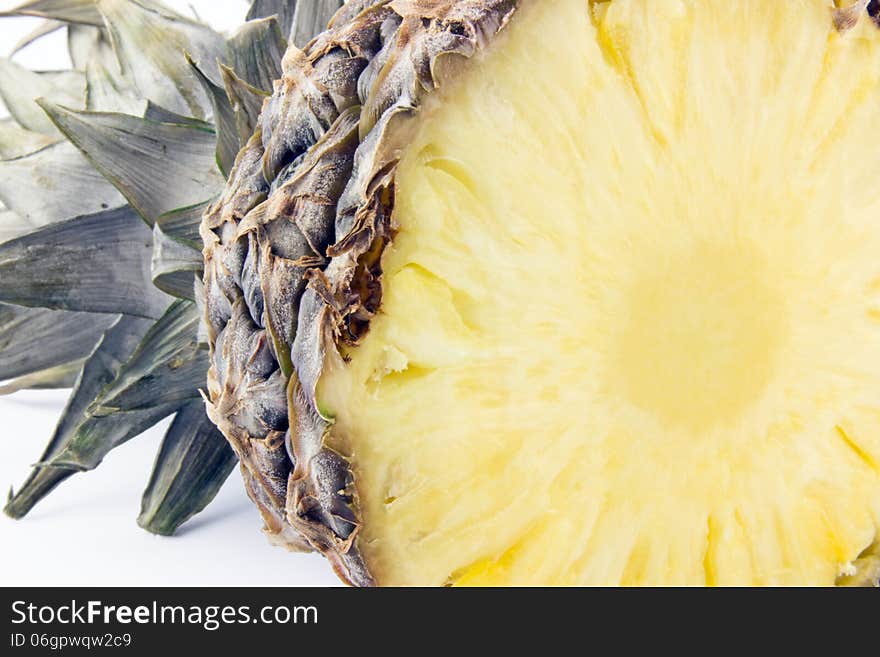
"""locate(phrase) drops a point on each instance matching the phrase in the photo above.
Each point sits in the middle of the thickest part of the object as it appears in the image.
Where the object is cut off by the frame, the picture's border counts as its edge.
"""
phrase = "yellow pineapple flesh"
(630, 327)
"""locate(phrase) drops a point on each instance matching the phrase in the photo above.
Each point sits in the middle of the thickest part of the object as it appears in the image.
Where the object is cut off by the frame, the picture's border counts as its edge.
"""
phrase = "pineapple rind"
(383, 56)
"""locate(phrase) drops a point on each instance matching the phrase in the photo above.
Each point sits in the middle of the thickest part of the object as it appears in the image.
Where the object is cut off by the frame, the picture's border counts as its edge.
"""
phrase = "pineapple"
(105, 171)
(497, 292)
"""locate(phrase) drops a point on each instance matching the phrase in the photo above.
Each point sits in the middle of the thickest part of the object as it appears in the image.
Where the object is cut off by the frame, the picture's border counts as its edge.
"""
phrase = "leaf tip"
(149, 523)
(54, 111)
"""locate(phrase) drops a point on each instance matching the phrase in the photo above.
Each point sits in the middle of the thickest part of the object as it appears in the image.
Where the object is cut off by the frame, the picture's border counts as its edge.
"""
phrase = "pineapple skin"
(292, 249)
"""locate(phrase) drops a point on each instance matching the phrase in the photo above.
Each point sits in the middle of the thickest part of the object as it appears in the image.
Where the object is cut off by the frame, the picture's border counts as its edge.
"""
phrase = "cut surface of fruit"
(630, 328)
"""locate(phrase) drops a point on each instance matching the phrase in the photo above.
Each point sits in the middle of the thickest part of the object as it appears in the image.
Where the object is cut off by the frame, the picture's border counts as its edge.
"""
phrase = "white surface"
(85, 533)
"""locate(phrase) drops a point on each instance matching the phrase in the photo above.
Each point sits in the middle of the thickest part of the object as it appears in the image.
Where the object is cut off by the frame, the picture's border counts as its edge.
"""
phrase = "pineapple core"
(630, 331)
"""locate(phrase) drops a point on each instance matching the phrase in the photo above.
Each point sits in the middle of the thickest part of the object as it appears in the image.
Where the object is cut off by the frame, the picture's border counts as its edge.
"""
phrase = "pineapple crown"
(105, 172)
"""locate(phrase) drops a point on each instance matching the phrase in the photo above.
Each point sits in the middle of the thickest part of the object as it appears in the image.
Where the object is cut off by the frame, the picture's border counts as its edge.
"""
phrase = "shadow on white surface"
(239, 509)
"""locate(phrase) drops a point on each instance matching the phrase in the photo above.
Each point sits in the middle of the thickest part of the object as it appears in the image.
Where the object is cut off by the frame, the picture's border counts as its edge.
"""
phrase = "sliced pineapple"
(630, 328)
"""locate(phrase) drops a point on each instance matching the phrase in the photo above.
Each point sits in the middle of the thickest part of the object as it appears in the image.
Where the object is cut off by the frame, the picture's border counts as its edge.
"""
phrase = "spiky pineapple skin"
(292, 249)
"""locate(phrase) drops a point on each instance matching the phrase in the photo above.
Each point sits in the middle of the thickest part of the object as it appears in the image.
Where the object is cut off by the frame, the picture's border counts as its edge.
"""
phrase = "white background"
(85, 533)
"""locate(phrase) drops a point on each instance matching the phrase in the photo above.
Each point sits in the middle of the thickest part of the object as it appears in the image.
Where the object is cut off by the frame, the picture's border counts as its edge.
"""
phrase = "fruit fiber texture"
(560, 293)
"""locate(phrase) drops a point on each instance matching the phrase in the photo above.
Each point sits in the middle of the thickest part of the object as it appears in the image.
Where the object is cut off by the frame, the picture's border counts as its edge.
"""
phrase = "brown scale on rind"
(293, 249)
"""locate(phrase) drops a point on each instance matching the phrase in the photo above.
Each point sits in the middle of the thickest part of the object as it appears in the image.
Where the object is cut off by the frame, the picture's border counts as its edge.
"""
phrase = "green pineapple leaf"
(12, 225)
(25, 333)
(95, 263)
(283, 10)
(81, 441)
(150, 40)
(247, 103)
(85, 40)
(183, 223)
(20, 87)
(70, 11)
(312, 18)
(176, 263)
(16, 141)
(190, 468)
(44, 28)
(168, 366)
(157, 166)
(47, 186)
(107, 88)
(60, 376)
(224, 119)
(299, 21)
(255, 53)
(158, 114)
